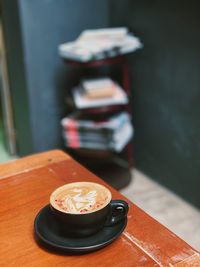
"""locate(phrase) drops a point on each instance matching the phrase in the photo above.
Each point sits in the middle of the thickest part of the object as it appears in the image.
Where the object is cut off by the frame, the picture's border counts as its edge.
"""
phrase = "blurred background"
(164, 96)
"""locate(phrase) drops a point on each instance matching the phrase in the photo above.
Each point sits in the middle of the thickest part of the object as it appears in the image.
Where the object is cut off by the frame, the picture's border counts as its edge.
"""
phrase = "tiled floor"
(170, 210)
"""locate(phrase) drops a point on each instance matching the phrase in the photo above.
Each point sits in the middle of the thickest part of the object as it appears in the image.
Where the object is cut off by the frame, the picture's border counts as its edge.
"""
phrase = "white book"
(74, 51)
(104, 32)
(97, 84)
(81, 102)
(100, 43)
(123, 136)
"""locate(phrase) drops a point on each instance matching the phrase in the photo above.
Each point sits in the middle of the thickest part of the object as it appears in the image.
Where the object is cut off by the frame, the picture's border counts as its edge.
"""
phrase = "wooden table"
(25, 187)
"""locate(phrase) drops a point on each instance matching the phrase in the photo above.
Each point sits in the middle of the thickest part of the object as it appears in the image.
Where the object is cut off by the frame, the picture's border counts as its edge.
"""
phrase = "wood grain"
(144, 242)
(194, 261)
(31, 162)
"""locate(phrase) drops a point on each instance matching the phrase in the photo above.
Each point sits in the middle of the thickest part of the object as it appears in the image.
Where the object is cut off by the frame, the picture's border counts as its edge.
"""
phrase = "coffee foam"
(78, 198)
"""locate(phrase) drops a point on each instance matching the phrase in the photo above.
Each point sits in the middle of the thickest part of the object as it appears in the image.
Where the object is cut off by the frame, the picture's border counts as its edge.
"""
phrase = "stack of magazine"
(111, 135)
(100, 43)
(98, 92)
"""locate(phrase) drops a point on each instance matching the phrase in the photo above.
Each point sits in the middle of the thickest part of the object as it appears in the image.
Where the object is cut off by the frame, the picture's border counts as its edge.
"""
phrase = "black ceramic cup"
(85, 224)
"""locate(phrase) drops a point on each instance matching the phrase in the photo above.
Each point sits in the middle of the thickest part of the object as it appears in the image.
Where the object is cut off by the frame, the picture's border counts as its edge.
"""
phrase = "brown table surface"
(25, 187)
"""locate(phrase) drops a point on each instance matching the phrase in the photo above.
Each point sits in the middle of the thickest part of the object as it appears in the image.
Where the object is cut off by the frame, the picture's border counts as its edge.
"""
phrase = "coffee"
(80, 198)
(82, 209)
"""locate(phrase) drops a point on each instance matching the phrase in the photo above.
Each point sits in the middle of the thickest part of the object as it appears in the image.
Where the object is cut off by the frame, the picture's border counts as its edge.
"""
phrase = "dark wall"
(166, 90)
(39, 78)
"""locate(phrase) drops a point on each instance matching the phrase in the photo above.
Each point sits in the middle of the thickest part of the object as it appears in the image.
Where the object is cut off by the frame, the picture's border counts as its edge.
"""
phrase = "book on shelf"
(100, 43)
(119, 32)
(98, 88)
(112, 134)
(99, 92)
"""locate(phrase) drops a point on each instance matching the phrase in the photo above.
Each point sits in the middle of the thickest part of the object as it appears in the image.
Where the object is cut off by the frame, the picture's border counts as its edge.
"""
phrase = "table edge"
(33, 161)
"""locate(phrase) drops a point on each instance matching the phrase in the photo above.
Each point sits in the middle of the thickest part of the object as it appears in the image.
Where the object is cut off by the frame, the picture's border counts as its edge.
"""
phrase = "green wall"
(38, 76)
(17, 74)
(166, 90)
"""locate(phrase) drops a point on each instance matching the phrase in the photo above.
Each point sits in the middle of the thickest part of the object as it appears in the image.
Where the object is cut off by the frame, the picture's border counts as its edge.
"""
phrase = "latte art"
(77, 200)
(81, 198)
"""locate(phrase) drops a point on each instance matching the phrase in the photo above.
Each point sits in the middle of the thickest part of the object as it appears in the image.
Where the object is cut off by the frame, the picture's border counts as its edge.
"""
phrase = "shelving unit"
(122, 62)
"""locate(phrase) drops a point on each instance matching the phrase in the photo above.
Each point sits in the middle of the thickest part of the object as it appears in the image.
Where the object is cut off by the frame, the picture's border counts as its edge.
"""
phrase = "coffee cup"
(83, 208)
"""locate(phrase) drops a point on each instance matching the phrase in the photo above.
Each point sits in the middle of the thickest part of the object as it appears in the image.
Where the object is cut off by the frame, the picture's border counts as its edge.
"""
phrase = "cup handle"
(119, 210)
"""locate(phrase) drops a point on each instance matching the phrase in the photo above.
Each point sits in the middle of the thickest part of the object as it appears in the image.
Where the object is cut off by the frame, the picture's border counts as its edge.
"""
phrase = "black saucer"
(49, 234)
